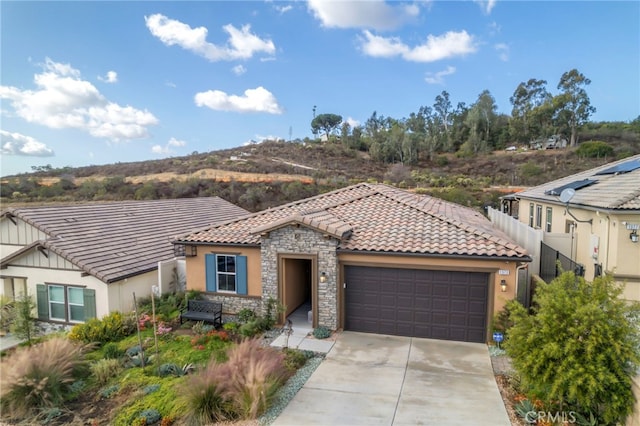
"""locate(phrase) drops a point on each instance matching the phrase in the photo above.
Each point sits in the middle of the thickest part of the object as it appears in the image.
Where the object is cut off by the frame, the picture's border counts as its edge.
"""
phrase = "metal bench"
(202, 310)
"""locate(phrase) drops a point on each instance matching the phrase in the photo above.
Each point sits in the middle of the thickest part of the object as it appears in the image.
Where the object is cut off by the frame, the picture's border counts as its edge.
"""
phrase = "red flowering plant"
(200, 341)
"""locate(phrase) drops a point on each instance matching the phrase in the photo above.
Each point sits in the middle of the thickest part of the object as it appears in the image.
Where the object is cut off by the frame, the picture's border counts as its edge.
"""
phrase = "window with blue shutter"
(226, 273)
(211, 271)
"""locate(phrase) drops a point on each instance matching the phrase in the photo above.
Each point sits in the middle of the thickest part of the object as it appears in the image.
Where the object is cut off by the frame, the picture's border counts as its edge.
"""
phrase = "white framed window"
(57, 303)
(66, 303)
(538, 216)
(226, 271)
(547, 226)
(531, 214)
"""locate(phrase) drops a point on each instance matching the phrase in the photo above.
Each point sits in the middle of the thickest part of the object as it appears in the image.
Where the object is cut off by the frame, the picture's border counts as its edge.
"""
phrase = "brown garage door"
(446, 305)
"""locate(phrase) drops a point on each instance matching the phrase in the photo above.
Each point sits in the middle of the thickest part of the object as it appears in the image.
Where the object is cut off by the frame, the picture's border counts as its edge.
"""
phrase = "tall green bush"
(24, 322)
(580, 348)
(594, 149)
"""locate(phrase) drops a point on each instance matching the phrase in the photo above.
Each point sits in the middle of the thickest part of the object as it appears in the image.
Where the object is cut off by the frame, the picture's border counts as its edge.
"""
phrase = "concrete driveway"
(369, 379)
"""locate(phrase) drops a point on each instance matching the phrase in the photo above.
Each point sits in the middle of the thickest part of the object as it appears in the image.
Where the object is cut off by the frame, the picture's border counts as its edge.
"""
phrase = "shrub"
(258, 372)
(111, 351)
(150, 416)
(321, 332)
(38, 377)
(249, 329)
(109, 391)
(24, 325)
(104, 369)
(580, 348)
(171, 369)
(242, 387)
(245, 315)
(294, 359)
(594, 149)
(7, 313)
(112, 327)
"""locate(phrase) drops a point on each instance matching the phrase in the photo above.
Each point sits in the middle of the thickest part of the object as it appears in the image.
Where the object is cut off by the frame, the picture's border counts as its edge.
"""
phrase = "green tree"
(580, 347)
(328, 123)
(526, 99)
(24, 323)
(573, 105)
(443, 112)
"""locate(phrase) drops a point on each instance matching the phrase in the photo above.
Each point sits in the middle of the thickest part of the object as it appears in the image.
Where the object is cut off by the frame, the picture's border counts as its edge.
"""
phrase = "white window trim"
(234, 274)
(67, 304)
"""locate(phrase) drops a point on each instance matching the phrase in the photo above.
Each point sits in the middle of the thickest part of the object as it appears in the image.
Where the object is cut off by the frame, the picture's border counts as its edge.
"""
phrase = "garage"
(448, 305)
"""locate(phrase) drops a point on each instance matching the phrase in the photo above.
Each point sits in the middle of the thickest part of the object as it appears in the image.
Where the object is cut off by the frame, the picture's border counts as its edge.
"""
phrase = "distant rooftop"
(613, 186)
(113, 241)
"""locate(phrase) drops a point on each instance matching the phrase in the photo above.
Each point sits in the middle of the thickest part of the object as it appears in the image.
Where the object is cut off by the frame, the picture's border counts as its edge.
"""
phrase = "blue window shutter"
(42, 297)
(89, 303)
(211, 271)
(241, 274)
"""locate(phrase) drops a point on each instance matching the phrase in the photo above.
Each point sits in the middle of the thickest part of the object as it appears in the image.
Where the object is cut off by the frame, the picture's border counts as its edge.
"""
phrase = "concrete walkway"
(369, 379)
(8, 341)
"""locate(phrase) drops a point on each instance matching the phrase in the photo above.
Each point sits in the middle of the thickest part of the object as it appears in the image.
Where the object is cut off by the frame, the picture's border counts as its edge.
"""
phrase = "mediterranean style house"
(593, 219)
(368, 258)
(87, 260)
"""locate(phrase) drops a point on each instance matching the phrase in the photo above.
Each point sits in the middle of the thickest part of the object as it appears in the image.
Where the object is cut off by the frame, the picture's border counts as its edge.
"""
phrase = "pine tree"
(580, 348)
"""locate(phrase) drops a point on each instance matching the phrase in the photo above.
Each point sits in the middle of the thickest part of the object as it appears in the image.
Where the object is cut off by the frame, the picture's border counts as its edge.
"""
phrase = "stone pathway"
(501, 365)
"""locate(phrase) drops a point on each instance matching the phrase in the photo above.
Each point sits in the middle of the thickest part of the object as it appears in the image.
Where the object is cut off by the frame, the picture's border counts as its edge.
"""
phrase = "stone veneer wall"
(232, 304)
(301, 240)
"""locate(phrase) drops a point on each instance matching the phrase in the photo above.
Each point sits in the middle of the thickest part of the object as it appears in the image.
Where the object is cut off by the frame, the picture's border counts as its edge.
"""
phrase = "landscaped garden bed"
(126, 371)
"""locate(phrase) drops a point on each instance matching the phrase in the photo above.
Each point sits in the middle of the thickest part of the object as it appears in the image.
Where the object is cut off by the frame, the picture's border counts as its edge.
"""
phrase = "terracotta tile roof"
(376, 218)
(610, 191)
(112, 241)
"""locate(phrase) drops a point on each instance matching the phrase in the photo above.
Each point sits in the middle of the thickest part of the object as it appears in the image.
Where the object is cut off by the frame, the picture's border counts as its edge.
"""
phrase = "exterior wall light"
(634, 236)
(323, 277)
(503, 285)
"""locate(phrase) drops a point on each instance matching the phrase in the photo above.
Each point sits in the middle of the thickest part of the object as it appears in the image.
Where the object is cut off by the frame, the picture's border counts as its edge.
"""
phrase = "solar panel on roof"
(575, 185)
(627, 166)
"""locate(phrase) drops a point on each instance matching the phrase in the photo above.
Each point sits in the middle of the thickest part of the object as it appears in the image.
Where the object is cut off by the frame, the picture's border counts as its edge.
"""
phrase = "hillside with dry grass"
(268, 174)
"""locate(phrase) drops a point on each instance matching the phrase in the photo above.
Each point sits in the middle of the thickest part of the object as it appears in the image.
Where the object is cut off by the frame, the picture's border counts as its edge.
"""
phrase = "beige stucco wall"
(120, 293)
(616, 252)
(196, 271)
(36, 276)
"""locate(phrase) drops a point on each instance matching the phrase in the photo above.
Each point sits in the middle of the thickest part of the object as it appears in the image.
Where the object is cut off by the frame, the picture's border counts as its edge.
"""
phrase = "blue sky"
(102, 82)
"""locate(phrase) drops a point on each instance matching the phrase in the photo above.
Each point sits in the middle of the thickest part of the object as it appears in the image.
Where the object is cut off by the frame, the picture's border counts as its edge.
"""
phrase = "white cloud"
(375, 14)
(167, 149)
(494, 28)
(159, 149)
(242, 44)
(254, 100)
(18, 144)
(239, 70)
(434, 49)
(437, 78)
(63, 100)
(352, 122)
(170, 84)
(503, 51)
(486, 5)
(176, 142)
(110, 77)
(283, 9)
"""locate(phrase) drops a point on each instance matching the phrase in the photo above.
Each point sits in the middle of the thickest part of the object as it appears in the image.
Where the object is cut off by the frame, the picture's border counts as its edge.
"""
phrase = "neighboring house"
(598, 225)
(87, 260)
(368, 258)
